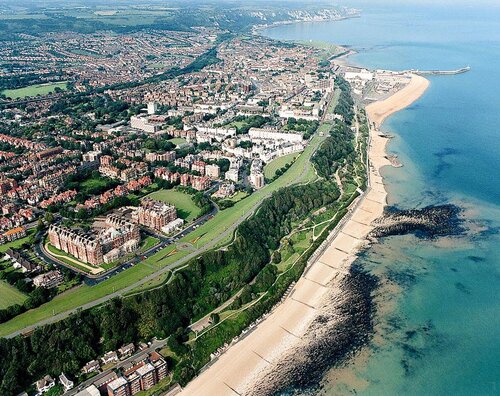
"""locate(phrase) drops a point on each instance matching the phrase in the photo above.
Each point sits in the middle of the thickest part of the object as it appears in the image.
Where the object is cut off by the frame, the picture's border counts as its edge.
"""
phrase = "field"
(186, 209)
(148, 242)
(93, 185)
(10, 295)
(33, 90)
(178, 141)
(302, 171)
(278, 163)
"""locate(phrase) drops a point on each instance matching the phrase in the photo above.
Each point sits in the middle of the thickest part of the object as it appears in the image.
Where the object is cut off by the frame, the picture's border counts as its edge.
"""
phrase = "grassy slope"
(33, 90)
(278, 163)
(10, 295)
(186, 208)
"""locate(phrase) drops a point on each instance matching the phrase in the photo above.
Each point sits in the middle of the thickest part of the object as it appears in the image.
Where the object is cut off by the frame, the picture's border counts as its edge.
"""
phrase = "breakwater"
(429, 222)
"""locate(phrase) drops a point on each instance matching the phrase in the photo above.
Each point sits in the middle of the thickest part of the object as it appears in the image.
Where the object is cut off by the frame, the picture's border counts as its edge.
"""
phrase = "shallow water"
(438, 326)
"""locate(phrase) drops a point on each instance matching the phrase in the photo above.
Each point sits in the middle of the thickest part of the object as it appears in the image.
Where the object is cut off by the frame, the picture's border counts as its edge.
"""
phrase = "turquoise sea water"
(442, 336)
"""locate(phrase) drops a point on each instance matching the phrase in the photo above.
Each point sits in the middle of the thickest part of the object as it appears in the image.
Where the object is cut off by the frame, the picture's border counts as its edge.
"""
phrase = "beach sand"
(244, 363)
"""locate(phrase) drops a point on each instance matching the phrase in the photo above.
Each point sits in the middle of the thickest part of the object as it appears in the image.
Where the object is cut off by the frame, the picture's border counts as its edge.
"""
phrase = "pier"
(440, 72)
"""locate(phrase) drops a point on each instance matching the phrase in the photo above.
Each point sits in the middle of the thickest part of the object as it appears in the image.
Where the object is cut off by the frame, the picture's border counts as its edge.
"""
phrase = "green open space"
(9, 295)
(148, 242)
(238, 196)
(34, 90)
(278, 163)
(177, 141)
(186, 208)
(95, 184)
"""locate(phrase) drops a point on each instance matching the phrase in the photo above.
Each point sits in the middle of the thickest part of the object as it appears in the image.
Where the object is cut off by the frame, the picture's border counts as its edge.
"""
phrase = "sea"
(437, 326)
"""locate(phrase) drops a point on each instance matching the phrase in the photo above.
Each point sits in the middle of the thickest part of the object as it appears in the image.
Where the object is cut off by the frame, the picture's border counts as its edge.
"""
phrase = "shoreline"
(245, 362)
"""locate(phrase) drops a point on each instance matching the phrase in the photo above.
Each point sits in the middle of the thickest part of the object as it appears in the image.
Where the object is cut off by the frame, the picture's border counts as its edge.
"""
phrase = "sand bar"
(240, 367)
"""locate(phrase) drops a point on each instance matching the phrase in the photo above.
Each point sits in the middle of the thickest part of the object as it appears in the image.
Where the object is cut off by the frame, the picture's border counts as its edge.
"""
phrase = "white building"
(66, 383)
(44, 384)
(233, 174)
(218, 134)
(152, 108)
(212, 171)
(172, 226)
(273, 134)
(142, 123)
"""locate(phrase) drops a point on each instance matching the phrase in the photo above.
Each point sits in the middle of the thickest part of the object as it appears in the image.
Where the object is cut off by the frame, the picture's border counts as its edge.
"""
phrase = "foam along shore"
(245, 363)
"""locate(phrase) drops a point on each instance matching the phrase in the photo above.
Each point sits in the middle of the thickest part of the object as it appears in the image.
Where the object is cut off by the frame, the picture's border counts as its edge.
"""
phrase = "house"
(91, 366)
(49, 279)
(109, 357)
(66, 383)
(44, 384)
(126, 350)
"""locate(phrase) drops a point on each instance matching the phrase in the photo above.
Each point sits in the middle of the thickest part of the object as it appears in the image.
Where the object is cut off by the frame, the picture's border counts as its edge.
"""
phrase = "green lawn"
(186, 208)
(148, 243)
(301, 171)
(33, 90)
(178, 141)
(9, 295)
(94, 184)
(238, 196)
(278, 163)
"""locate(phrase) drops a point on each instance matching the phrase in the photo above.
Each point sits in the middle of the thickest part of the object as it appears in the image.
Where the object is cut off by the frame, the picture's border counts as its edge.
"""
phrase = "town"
(87, 194)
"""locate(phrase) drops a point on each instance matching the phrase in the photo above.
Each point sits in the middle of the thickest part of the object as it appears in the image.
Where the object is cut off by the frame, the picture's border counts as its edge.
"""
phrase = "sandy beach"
(244, 363)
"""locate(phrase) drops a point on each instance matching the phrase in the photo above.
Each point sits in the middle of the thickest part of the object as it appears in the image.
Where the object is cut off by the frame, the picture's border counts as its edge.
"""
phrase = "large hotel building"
(155, 214)
(118, 237)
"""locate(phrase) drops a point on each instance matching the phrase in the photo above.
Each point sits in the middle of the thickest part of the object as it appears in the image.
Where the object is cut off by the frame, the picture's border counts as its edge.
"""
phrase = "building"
(91, 156)
(199, 166)
(66, 383)
(256, 174)
(119, 387)
(273, 134)
(119, 237)
(146, 124)
(152, 108)
(172, 226)
(126, 350)
(12, 235)
(48, 280)
(89, 391)
(43, 385)
(141, 377)
(91, 366)
(109, 357)
(168, 156)
(233, 174)
(49, 152)
(225, 190)
(200, 183)
(212, 171)
(155, 214)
